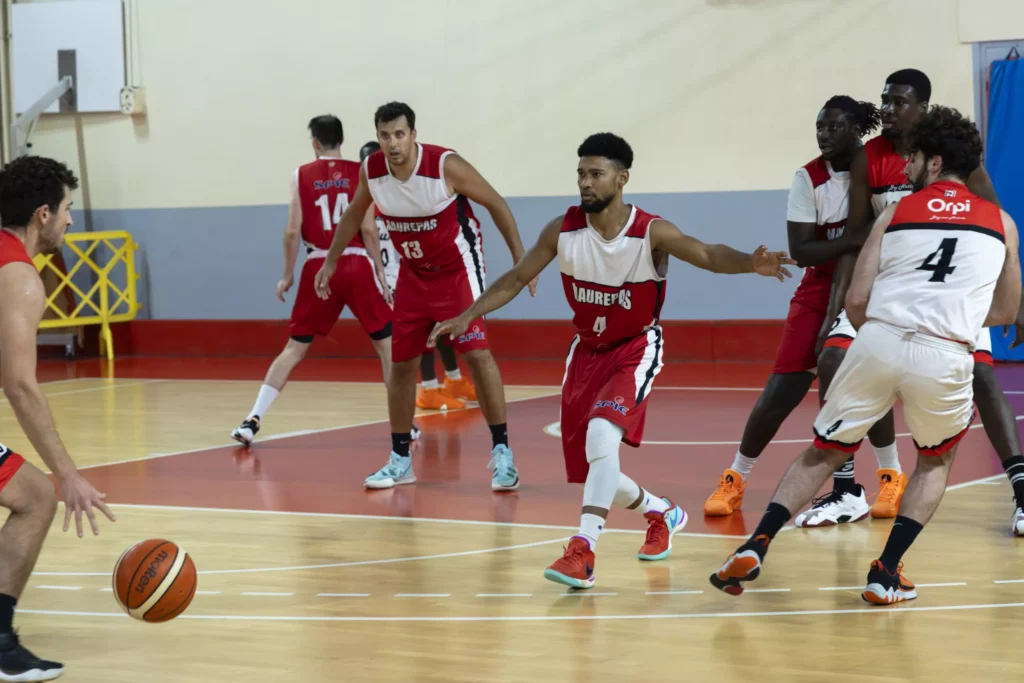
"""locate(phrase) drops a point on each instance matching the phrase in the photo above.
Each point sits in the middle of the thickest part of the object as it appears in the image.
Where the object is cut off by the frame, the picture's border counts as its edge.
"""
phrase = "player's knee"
(603, 439)
(479, 357)
(35, 494)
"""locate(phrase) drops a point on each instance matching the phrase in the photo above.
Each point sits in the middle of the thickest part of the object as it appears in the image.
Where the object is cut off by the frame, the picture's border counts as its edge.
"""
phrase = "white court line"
(207, 592)
(275, 437)
(841, 588)
(103, 387)
(1010, 581)
(59, 588)
(767, 590)
(583, 594)
(423, 595)
(674, 593)
(504, 595)
(588, 617)
(342, 595)
(259, 594)
(940, 585)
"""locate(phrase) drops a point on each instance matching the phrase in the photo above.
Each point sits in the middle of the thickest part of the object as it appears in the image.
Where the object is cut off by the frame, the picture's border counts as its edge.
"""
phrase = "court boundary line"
(549, 617)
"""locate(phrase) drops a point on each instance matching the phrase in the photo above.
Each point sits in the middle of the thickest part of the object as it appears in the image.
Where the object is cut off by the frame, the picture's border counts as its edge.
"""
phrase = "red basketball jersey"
(326, 186)
(12, 250)
(887, 176)
(615, 287)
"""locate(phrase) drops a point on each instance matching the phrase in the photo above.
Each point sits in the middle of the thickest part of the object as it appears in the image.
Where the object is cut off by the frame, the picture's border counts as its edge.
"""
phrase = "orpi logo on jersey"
(616, 405)
(939, 205)
(470, 336)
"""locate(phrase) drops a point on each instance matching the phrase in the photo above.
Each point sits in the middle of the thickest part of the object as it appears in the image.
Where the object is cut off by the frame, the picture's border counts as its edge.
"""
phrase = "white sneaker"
(1018, 522)
(246, 432)
(835, 508)
(398, 471)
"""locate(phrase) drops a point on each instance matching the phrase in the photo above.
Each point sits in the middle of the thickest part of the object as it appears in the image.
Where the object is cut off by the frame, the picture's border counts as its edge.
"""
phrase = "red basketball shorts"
(806, 315)
(426, 297)
(611, 383)
(354, 285)
(10, 463)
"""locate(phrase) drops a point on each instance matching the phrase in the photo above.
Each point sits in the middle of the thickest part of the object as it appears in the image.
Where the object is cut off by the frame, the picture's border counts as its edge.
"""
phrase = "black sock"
(400, 443)
(775, 517)
(1014, 467)
(499, 434)
(843, 479)
(7, 604)
(904, 532)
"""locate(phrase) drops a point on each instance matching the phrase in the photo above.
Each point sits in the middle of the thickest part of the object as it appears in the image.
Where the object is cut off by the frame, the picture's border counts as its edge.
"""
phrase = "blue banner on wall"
(1004, 151)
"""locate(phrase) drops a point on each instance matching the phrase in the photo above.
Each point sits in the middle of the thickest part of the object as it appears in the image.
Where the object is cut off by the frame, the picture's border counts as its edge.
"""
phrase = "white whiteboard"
(94, 29)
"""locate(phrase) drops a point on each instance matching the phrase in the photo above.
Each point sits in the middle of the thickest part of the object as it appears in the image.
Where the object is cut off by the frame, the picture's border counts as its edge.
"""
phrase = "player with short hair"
(613, 258)
(35, 206)
(877, 180)
(937, 267)
(320, 191)
(423, 193)
(816, 217)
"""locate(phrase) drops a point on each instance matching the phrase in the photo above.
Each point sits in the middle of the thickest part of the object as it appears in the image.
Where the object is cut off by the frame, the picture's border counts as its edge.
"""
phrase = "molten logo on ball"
(151, 571)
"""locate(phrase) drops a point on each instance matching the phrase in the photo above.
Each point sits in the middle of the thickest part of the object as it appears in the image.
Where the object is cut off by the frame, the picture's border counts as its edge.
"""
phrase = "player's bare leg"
(277, 376)
(886, 584)
(781, 395)
(401, 410)
(382, 347)
(491, 395)
(882, 435)
(1001, 428)
(32, 500)
(606, 485)
(801, 481)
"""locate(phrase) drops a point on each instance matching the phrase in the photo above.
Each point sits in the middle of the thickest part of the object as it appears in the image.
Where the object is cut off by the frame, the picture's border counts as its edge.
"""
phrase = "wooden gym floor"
(304, 576)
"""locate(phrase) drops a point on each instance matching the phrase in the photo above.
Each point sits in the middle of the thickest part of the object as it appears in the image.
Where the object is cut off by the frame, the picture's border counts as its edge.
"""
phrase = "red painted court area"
(695, 421)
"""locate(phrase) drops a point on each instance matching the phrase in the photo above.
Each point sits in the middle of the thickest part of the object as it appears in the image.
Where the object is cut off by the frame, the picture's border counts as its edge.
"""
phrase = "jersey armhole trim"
(440, 173)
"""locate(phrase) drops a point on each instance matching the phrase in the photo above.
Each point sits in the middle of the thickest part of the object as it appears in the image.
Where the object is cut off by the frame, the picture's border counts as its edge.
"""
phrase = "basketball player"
(35, 205)
(877, 180)
(423, 194)
(320, 191)
(816, 216)
(613, 258)
(936, 268)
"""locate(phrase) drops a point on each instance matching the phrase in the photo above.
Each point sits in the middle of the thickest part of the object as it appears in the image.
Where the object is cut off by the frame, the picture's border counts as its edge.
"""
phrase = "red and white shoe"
(576, 567)
(661, 526)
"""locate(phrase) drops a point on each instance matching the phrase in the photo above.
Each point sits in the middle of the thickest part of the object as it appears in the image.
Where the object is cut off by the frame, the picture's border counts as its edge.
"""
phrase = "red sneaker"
(661, 526)
(576, 567)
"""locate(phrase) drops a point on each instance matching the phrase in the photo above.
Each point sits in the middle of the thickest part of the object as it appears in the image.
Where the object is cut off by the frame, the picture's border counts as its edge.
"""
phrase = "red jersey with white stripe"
(431, 228)
(12, 250)
(887, 176)
(615, 287)
(326, 186)
(830, 191)
(941, 256)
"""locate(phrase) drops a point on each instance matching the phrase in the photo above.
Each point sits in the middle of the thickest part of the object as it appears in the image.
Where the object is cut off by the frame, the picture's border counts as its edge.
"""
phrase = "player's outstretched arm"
(464, 179)
(866, 270)
(508, 285)
(718, 258)
(1007, 297)
(347, 228)
(292, 238)
(23, 297)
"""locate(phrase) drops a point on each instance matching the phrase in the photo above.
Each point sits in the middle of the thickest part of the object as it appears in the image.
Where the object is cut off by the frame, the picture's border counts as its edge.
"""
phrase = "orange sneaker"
(576, 567)
(434, 399)
(887, 589)
(728, 497)
(460, 388)
(891, 485)
(742, 566)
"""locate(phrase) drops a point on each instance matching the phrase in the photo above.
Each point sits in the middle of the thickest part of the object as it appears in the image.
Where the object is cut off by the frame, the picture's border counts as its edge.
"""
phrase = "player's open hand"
(533, 286)
(453, 328)
(771, 263)
(385, 288)
(1018, 332)
(283, 285)
(79, 496)
(322, 282)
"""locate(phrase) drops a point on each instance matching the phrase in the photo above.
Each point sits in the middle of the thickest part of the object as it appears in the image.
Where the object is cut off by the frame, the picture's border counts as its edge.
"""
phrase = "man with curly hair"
(35, 209)
(936, 268)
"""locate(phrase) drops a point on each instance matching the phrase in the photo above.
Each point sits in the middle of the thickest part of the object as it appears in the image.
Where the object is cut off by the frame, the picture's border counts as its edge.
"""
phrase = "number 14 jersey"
(940, 258)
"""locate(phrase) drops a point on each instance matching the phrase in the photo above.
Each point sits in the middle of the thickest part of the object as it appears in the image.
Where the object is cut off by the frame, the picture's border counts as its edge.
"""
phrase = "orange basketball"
(154, 580)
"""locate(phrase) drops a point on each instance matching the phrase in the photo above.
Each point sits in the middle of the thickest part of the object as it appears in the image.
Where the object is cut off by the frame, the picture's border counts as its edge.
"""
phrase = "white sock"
(430, 383)
(743, 464)
(590, 528)
(888, 458)
(453, 375)
(599, 491)
(263, 400)
(627, 493)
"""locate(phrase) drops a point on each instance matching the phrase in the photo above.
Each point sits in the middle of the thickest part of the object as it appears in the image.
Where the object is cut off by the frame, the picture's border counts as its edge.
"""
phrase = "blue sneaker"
(505, 477)
(661, 526)
(398, 471)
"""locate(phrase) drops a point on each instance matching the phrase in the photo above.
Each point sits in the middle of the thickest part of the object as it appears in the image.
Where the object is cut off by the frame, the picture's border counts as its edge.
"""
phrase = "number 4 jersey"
(326, 186)
(941, 256)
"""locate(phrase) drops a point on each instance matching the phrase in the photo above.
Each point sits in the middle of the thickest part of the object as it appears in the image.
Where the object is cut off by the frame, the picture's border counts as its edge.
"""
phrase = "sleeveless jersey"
(886, 174)
(830, 192)
(941, 256)
(388, 253)
(12, 250)
(615, 287)
(326, 186)
(430, 228)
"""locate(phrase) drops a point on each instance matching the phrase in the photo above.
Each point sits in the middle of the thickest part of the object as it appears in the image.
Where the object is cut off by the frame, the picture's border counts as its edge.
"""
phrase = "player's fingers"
(67, 515)
(92, 521)
(78, 522)
(106, 511)
(785, 271)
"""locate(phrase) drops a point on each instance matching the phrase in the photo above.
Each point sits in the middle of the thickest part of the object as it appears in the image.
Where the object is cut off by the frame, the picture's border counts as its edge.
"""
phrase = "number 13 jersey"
(615, 287)
(940, 258)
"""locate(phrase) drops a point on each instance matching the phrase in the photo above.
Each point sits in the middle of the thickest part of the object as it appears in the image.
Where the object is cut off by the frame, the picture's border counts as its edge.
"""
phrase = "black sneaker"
(887, 589)
(18, 664)
(247, 430)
